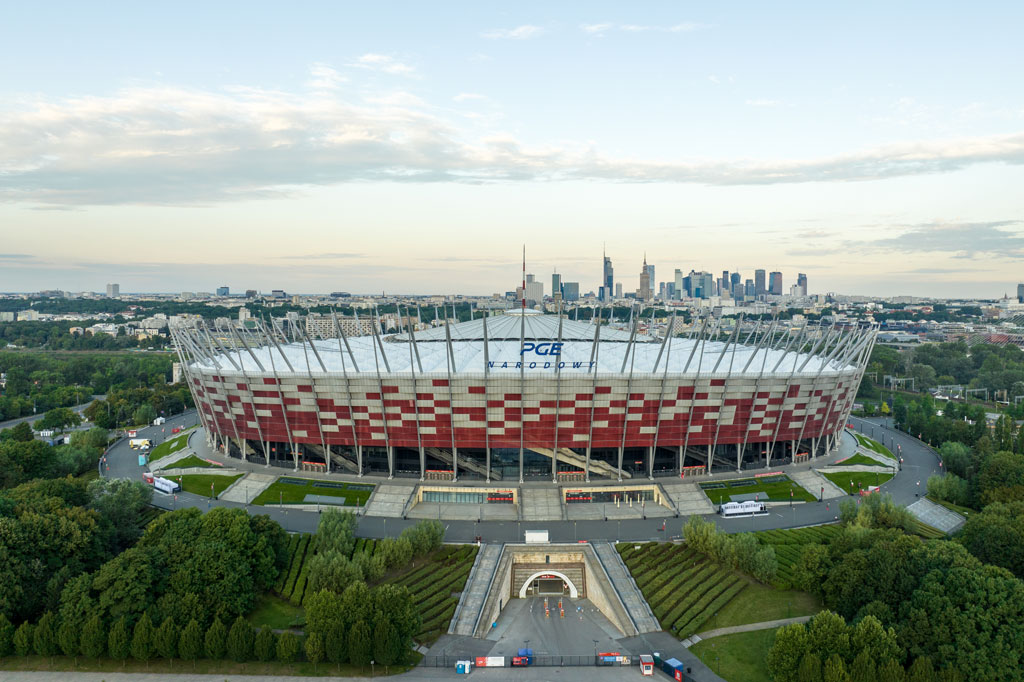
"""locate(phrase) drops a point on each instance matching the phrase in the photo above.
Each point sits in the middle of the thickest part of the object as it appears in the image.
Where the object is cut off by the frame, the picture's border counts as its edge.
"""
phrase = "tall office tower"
(749, 289)
(708, 285)
(775, 283)
(662, 290)
(571, 291)
(678, 289)
(618, 290)
(801, 283)
(556, 285)
(759, 287)
(723, 284)
(534, 291)
(670, 291)
(735, 285)
(1020, 293)
(250, 293)
(608, 277)
(223, 291)
(650, 271)
(113, 290)
(644, 292)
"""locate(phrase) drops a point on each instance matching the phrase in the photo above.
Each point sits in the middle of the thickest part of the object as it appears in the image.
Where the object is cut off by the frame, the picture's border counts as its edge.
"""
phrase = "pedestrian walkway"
(936, 516)
(622, 580)
(688, 498)
(248, 487)
(475, 592)
(541, 504)
(389, 499)
(813, 482)
(749, 627)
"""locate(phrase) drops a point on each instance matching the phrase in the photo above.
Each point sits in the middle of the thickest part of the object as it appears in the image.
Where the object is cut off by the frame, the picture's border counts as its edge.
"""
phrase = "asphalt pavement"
(36, 417)
(919, 462)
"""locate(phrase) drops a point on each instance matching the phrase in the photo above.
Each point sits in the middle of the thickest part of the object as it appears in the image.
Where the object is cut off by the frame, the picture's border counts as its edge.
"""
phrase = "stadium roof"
(531, 323)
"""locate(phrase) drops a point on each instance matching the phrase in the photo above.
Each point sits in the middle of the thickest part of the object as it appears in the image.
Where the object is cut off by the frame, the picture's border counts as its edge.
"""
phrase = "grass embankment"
(199, 484)
(776, 488)
(191, 461)
(170, 446)
(871, 444)
(739, 657)
(291, 490)
(861, 480)
(690, 594)
(434, 582)
(963, 511)
(860, 459)
(789, 544)
(201, 667)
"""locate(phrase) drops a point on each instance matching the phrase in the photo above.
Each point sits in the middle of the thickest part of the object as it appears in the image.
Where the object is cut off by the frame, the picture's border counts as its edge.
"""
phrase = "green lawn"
(874, 445)
(191, 461)
(199, 484)
(292, 490)
(739, 657)
(860, 459)
(861, 479)
(768, 488)
(170, 446)
(758, 603)
(277, 613)
(963, 511)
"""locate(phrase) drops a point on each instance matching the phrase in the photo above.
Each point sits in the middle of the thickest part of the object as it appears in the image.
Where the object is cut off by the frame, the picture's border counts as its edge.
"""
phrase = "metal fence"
(560, 661)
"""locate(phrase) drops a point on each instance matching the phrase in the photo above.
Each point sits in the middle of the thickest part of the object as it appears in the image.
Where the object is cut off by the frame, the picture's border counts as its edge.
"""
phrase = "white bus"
(165, 485)
(748, 508)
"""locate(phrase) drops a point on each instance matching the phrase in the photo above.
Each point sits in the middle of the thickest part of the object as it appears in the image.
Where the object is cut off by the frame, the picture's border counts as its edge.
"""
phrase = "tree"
(240, 640)
(335, 645)
(215, 643)
(835, 670)
(996, 536)
(890, 671)
(810, 668)
(68, 639)
(314, 649)
(166, 639)
(791, 644)
(869, 635)
(360, 644)
(812, 568)
(58, 418)
(287, 647)
(95, 438)
(6, 637)
(863, 668)
(265, 646)
(145, 414)
(336, 531)
(94, 639)
(190, 643)
(45, 639)
(827, 635)
(23, 638)
(21, 432)
(921, 670)
(118, 642)
(142, 639)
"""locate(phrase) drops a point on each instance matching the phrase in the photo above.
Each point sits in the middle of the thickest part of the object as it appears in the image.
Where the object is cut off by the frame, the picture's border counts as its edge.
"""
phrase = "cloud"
(599, 29)
(176, 146)
(384, 63)
(524, 32)
(762, 102)
(959, 240)
(466, 96)
(323, 76)
(325, 256)
(16, 257)
(596, 29)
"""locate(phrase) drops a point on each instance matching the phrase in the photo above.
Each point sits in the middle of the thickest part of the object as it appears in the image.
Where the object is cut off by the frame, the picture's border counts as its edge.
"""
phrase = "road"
(35, 417)
(920, 462)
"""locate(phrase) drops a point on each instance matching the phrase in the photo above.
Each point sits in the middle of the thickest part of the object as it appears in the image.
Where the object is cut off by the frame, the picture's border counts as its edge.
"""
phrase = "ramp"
(541, 504)
(389, 500)
(475, 593)
(813, 482)
(599, 467)
(464, 463)
(936, 516)
(688, 498)
(639, 611)
(247, 488)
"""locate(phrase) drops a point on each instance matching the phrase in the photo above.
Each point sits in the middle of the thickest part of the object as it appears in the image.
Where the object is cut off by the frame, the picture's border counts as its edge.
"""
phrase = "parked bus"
(740, 509)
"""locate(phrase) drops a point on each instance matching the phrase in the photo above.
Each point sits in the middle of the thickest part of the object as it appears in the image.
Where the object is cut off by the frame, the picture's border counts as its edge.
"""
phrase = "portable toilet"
(527, 654)
(646, 665)
(463, 667)
(674, 668)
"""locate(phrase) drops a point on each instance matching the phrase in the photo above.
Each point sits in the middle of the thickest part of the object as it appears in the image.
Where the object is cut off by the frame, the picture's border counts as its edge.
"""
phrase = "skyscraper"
(1020, 293)
(556, 285)
(571, 291)
(775, 283)
(678, 292)
(534, 291)
(618, 290)
(644, 293)
(734, 285)
(113, 290)
(759, 284)
(650, 271)
(801, 283)
(608, 278)
(223, 291)
(724, 289)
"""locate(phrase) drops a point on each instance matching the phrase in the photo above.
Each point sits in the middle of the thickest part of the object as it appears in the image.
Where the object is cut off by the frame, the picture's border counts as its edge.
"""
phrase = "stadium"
(524, 395)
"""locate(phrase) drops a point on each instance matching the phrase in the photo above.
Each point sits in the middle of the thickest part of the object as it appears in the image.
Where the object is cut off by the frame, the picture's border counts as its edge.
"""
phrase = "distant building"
(250, 293)
(6, 317)
(677, 288)
(749, 289)
(1020, 293)
(618, 290)
(556, 285)
(322, 326)
(223, 291)
(113, 290)
(571, 291)
(534, 291)
(278, 293)
(608, 278)
(759, 283)
(644, 292)
(775, 283)
(28, 315)
(801, 283)
(340, 294)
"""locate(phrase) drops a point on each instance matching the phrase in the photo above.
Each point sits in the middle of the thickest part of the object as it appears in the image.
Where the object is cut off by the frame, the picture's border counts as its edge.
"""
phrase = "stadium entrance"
(549, 584)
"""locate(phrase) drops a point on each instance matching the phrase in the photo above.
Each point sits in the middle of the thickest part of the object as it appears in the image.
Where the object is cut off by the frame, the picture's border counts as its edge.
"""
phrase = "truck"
(158, 421)
(164, 485)
(140, 443)
(535, 537)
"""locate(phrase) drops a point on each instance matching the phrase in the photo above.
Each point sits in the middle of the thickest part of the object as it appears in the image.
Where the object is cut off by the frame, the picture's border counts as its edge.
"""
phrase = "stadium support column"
(227, 395)
(451, 400)
(248, 382)
(183, 345)
(413, 348)
(689, 412)
(348, 388)
(307, 345)
(725, 386)
(558, 396)
(383, 408)
(661, 393)
(280, 394)
(842, 343)
(789, 382)
(631, 357)
(487, 398)
(522, 375)
(863, 357)
(770, 337)
(595, 357)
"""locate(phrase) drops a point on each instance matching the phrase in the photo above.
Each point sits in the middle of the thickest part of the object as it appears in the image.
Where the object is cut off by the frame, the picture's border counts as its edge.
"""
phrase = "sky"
(410, 147)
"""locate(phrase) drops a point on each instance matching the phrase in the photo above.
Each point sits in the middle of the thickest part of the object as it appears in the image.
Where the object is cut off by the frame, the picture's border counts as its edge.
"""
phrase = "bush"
(94, 639)
(240, 640)
(425, 536)
(287, 647)
(23, 637)
(215, 642)
(265, 645)
(740, 551)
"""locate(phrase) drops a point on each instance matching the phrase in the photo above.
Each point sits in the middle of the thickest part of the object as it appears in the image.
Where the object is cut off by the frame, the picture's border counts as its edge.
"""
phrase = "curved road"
(920, 462)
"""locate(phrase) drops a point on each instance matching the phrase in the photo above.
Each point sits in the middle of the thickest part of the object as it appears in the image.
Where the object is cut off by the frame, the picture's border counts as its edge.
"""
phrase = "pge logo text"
(545, 348)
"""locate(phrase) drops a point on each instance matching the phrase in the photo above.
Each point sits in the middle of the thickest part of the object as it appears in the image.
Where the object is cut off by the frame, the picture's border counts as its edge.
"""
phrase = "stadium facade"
(525, 395)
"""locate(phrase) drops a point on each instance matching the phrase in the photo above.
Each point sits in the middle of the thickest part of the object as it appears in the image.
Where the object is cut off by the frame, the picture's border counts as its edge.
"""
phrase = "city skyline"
(366, 154)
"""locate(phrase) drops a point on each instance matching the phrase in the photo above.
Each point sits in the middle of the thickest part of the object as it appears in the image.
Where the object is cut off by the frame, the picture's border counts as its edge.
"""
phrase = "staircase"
(637, 607)
(475, 593)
